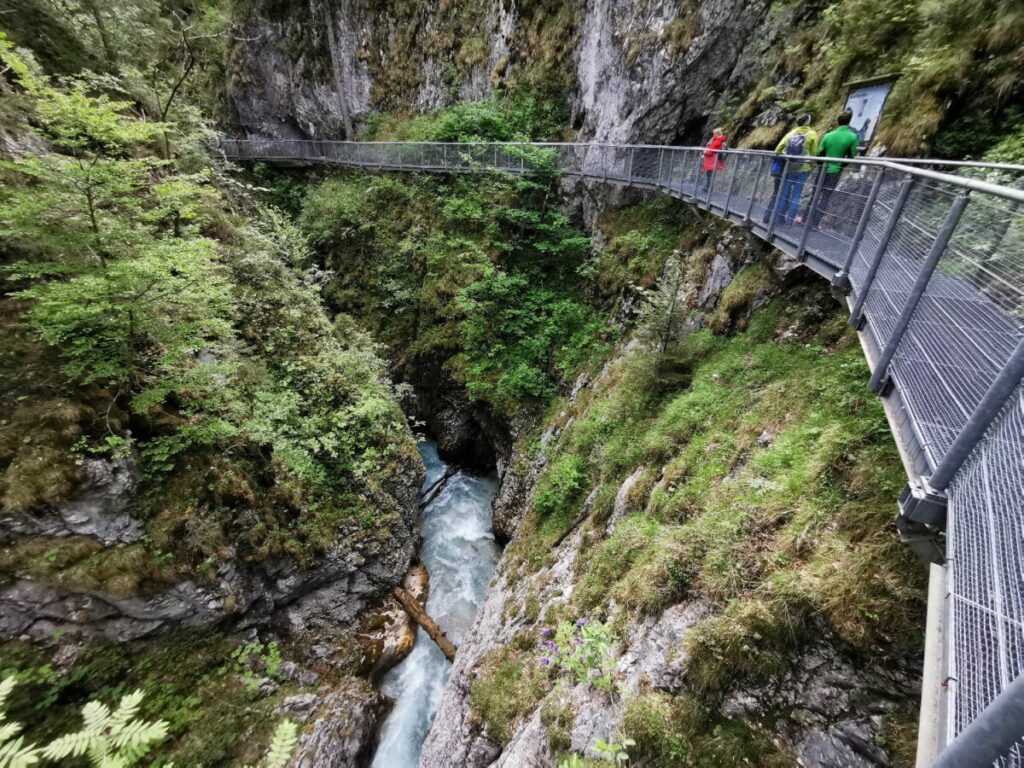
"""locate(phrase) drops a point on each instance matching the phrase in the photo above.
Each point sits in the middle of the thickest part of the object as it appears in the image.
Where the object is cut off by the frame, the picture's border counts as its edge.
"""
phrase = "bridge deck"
(935, 284)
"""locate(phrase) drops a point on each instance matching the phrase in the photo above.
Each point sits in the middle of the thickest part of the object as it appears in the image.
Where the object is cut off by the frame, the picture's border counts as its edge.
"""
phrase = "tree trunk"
(429, 625)
(101, 26)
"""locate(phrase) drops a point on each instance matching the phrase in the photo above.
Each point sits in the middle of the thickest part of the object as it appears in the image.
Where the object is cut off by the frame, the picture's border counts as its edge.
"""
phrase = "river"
(460, 553)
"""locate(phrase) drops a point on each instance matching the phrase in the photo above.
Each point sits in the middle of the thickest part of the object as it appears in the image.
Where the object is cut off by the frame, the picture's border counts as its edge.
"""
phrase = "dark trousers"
(776, 181)
(828, 186)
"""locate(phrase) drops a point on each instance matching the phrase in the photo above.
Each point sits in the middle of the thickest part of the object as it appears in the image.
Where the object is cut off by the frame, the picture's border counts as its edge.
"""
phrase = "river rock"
(387, 632)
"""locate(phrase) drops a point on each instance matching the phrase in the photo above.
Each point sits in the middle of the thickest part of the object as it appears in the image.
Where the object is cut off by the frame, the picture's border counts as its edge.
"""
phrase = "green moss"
(749, 639)
(772, 533)
(734, 305)
(677, 731)
(507, 686)
(557, 717)
(640, 239)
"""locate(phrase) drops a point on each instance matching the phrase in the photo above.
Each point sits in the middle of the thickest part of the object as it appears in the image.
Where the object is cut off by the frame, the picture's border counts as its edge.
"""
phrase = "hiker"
(802, 141)
(713, 160)
(841, 142)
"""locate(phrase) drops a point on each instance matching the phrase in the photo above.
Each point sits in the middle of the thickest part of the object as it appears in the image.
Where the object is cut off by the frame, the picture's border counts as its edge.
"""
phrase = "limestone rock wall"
(631, 72)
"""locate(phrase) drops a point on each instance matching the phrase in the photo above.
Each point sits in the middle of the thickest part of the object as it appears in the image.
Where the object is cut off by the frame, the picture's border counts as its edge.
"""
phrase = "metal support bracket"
(841, 282)
(923, 542)
(920, 503)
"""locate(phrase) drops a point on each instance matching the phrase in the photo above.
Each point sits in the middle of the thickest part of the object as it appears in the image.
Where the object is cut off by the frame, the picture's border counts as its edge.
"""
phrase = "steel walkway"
(932, 267)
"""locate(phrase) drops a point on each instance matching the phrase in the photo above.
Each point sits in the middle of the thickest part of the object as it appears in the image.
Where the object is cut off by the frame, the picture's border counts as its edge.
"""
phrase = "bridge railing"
(931, 257)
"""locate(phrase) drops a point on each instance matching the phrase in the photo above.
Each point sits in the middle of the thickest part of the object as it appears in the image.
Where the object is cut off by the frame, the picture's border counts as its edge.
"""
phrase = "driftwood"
(435, 489)
(421, 617)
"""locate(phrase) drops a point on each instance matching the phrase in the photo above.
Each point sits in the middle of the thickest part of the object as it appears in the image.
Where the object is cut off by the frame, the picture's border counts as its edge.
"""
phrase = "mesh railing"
(931, 255)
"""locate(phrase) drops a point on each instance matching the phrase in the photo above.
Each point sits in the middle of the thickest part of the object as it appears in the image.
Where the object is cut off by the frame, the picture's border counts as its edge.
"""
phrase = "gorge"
(665, 527)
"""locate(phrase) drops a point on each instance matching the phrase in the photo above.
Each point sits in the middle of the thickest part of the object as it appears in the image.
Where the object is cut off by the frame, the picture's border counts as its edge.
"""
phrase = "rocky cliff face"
(653, 72)
(328, 593)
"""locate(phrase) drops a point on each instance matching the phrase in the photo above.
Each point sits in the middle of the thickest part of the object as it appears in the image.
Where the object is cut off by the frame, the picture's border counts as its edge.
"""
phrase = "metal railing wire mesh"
(931, 255)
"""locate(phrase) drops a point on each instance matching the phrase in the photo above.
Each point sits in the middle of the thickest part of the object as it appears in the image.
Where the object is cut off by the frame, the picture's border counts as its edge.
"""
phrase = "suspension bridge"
(929, 258)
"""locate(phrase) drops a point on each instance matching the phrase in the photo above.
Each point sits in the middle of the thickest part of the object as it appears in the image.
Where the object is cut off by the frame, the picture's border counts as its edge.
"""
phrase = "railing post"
(695, 197)
(819, 178)
(495, 155)
(630, 175)
(682, 175)
(732, 183)
(671, 166)
(841, 279)
(856, 313)
(661, 162)
(923, 501)
(748, 219)
(522, 159)
(879, 376)
(778, 200)
(984, 414)
(991, 734)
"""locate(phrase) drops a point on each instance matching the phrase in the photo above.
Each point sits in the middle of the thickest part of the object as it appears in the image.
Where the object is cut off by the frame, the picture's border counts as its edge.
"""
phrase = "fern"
(282, 745)
(112, 739)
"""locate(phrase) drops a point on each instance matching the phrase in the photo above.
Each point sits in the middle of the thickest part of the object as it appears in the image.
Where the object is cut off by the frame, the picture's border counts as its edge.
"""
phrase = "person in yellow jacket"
(802, 141)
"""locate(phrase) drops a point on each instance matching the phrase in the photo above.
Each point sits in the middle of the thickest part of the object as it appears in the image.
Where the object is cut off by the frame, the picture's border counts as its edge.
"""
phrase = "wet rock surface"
(96, 509)
(332, 590)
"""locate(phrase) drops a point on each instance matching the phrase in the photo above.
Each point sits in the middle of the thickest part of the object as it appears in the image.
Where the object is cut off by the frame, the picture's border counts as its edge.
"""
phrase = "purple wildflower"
(581, 622)
(545, 660)
(544, 632)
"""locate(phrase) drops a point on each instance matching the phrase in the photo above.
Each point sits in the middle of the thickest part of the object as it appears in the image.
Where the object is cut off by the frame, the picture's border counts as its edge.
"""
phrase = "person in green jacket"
(842, 142)
(802, 141)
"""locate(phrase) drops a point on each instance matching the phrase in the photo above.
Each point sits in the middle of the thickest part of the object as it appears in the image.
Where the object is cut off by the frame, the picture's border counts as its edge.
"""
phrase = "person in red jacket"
(713, 159)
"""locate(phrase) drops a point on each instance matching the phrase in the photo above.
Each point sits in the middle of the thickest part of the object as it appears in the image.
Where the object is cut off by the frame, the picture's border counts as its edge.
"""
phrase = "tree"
(664, 320)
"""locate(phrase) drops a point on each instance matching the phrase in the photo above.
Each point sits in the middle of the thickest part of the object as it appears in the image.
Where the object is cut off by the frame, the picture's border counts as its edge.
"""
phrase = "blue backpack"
(796, 144)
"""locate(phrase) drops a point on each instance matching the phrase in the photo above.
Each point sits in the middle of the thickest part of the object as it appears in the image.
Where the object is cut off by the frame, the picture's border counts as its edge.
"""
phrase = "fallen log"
(435, 490)
(421, 617)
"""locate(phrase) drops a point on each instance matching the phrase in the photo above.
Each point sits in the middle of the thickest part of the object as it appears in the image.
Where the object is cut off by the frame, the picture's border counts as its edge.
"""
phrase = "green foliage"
(483, 271)
(257, 657)
(583, 649)
(683, 731)
(514, 115)
(111, 738)
(157, 309)
(780, 535)
(561, 486)
(208, 330)
(507, 687)
(614, 752)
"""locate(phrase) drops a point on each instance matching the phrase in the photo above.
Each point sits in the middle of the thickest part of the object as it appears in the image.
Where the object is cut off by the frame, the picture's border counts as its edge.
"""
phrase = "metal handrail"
(908, 164)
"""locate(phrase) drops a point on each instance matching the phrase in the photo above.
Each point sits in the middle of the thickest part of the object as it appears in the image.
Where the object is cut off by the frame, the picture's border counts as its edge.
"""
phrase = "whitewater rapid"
(460, 553)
